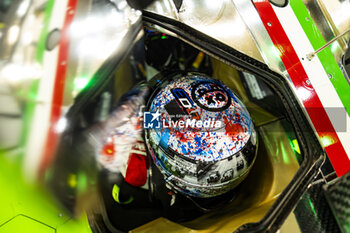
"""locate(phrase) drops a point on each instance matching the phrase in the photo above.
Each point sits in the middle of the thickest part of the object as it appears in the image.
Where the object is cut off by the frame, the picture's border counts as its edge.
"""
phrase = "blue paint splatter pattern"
(204, 143)
(202, 160)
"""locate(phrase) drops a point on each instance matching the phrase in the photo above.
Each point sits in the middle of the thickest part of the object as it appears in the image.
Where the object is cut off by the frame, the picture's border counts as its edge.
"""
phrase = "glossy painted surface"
(305, 90)
(211, 102)
(206, 142)
(325, 56)
(247, 34)
(262, 39)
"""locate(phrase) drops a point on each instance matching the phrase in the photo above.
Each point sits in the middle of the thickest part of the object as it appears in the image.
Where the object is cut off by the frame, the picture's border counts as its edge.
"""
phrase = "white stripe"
(314, 69)
(42, 113)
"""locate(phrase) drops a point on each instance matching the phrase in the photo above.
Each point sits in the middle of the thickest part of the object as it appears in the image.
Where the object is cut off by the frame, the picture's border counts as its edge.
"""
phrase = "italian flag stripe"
(309, 78)
(326, 58)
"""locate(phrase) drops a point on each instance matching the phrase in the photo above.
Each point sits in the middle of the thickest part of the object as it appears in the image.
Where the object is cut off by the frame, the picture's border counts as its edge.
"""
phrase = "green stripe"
(326, 57)
(33, 90)
(42, 39)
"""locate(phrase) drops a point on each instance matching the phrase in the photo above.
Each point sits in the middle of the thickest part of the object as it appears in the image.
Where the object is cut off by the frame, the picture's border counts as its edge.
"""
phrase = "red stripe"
(319, 118)
(58, 92)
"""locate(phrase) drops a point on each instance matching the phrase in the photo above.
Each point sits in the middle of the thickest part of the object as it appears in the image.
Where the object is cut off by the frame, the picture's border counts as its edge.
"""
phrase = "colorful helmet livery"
(200, 136)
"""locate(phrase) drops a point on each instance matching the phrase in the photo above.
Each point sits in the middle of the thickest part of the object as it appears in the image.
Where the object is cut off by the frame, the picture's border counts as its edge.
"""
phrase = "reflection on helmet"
(200, 135)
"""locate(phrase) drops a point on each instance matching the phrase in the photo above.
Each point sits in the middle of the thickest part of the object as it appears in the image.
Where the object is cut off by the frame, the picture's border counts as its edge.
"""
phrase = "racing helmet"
(199, 135)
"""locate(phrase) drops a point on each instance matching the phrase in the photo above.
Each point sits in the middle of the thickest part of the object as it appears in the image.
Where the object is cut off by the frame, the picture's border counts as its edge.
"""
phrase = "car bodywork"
(267, 41)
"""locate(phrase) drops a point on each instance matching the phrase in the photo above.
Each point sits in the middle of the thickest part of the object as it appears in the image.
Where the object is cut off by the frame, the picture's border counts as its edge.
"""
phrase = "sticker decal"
(211, 96)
